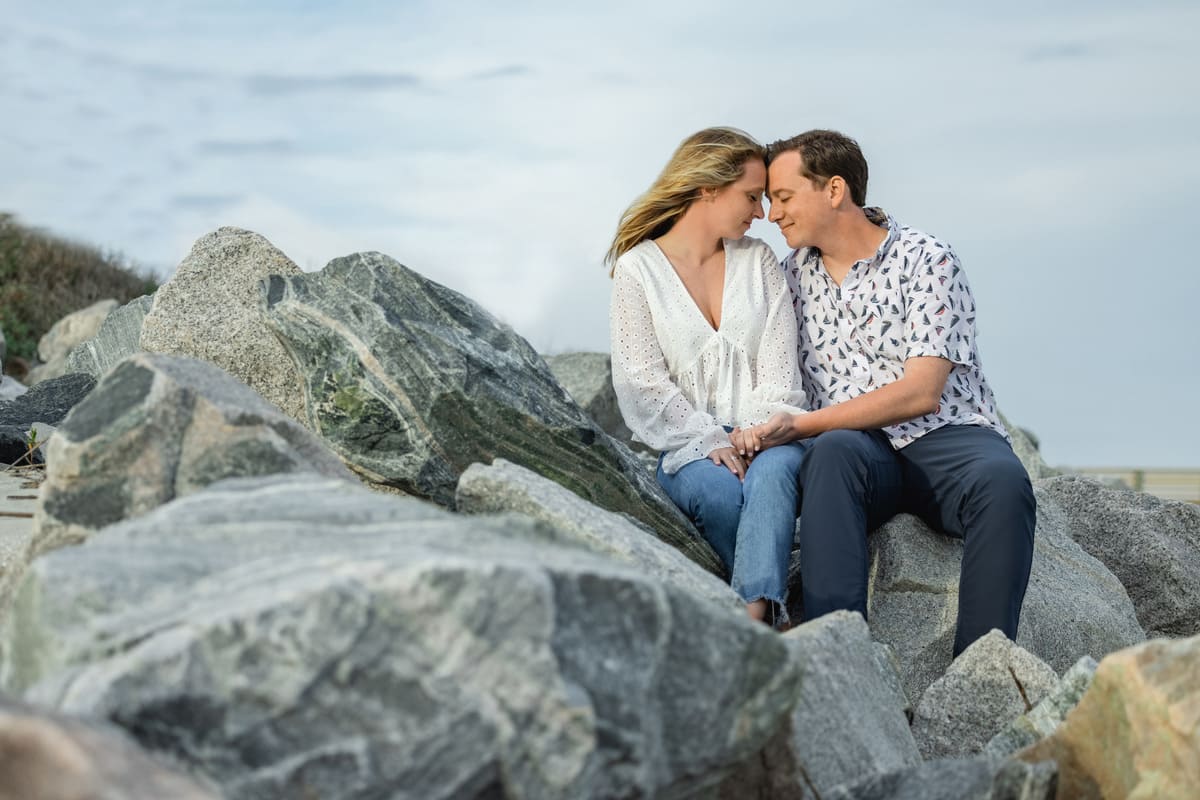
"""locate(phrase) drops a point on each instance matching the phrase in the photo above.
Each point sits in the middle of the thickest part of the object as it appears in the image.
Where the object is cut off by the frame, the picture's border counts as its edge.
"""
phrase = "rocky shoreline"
(345, 535)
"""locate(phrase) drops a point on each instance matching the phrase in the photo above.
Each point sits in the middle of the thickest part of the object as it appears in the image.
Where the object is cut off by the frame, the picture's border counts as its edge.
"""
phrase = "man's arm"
(915, 394)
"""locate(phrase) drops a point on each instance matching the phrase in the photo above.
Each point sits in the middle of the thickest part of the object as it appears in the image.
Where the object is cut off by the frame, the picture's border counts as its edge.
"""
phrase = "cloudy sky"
(492, 146)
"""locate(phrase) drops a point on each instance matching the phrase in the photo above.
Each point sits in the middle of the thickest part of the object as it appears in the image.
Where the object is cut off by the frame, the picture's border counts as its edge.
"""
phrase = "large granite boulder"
(1047, 715)
(158, 427)
(411, 383)
(990, 684)
(209, 310)
(849, 720)
(1152, 545)
(587, 377)
(1073, 605)
(69, 331)
(117, 339)
(47, 756)
(293, 636)
(1136, 732)
(504, 486)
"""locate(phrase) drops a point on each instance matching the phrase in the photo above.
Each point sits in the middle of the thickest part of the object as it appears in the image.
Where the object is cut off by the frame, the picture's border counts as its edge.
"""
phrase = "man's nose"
(774, 215)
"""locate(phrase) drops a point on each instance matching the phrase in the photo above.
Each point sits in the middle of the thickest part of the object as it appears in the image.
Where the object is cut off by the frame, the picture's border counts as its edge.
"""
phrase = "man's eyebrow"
(777, 192)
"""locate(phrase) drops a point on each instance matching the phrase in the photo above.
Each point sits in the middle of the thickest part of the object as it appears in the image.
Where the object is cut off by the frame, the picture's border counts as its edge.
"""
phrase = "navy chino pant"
(962, 480)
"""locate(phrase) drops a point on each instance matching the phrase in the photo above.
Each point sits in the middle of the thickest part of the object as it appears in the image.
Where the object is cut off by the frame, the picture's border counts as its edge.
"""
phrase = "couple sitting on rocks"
(843, 385)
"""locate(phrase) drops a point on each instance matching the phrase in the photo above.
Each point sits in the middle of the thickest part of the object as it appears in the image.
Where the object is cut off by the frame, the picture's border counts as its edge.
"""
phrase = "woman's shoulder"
(639, 257)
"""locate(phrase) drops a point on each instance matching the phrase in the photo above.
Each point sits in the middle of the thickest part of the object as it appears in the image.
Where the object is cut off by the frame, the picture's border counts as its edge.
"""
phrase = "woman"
(704, 340)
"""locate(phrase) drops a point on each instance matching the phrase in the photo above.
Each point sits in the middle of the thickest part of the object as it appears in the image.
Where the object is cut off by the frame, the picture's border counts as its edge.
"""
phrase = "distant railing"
(1169, 484)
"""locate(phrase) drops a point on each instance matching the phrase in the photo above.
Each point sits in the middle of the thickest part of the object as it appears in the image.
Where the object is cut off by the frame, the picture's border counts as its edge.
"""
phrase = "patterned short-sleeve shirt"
(910, 299)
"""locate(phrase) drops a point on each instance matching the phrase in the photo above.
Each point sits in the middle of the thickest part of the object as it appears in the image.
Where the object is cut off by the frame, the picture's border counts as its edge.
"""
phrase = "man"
(903, 418)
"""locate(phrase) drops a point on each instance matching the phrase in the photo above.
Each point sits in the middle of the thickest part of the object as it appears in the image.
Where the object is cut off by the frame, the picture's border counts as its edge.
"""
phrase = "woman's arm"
(654, 408)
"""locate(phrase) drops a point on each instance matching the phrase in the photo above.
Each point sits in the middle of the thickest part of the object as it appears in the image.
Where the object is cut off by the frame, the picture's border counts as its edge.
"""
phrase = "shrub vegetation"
(43, 278)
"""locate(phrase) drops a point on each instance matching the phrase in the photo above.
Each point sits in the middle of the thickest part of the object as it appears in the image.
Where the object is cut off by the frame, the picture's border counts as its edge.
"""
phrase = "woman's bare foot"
(757, 610)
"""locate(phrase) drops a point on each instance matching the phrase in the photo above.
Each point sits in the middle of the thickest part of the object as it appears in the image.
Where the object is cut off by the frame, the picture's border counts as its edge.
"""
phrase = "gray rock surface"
(1152, 545)
(946, 779)
(849, 721)
(117, 339)
(989, 685)
(3, 346)
(210, 310)
(1046, 716)
(291, 635)
(47, 756)
(49, 402)
(1073, 606)
(504, 486)
(411, 383)
(158, 427)
(65, 334)
(587, 377)
(1017, 780)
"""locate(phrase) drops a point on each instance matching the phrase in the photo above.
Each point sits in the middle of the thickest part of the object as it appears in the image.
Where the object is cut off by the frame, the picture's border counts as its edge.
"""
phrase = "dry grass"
(43, 278)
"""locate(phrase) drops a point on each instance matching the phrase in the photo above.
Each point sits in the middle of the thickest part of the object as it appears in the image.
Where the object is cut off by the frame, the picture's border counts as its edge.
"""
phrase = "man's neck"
(853, 239)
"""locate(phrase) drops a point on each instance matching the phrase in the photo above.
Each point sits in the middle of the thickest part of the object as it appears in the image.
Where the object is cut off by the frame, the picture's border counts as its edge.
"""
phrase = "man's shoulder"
(911, 241)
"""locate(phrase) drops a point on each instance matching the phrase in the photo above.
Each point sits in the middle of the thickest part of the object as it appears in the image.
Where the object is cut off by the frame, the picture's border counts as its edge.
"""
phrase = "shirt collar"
(876, 216)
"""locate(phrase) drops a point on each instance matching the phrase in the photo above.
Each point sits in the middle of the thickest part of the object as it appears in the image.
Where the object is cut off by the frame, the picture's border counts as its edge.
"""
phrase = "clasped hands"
(746, 443)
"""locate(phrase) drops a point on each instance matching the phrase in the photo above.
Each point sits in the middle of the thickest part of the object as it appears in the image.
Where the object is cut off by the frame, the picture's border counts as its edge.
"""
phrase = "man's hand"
(730, 458)
(779, 429)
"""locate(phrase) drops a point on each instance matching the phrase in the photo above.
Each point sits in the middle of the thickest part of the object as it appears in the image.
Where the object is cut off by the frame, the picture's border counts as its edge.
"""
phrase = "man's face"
(798, 206)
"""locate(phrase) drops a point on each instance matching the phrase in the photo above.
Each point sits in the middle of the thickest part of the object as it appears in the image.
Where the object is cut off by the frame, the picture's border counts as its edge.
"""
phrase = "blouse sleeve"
(653, 406)
(777, 383)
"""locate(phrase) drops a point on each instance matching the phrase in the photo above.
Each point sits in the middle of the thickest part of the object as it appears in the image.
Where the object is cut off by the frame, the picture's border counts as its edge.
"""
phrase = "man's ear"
(836, 191)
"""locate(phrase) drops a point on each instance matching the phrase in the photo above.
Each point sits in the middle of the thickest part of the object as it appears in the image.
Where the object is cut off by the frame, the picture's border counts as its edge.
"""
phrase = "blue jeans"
(750, 524)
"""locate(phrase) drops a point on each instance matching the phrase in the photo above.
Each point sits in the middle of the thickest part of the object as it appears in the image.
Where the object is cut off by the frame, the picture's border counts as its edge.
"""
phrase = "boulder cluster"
(344, 534)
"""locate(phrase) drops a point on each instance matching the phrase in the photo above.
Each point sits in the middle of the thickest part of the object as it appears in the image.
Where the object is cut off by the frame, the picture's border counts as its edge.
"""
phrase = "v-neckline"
(683, 286)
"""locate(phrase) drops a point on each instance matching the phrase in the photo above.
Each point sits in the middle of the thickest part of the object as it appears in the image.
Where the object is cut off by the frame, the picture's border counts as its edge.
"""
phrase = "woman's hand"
(730, 458)
(749, 442)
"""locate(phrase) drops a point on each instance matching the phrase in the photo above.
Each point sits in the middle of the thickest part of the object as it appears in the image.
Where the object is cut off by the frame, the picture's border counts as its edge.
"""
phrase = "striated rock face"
(294, 636)
(209, 310)
(1046, 716)
(158, 427)
(988, 685)
(505, 486)
(587, 377)
(1152, 545)
(1136, 732)
(49, 402)
(117, 339)
(45, 756)
(849, 720)
(411, 383)
(65, 334)
(1073, 606)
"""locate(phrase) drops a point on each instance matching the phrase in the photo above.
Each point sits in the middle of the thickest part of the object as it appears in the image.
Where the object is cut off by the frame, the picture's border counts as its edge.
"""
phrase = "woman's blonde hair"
(710, 159)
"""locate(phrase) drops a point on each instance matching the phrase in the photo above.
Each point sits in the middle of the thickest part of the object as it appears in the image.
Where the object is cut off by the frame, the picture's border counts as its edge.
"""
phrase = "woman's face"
(737, 205)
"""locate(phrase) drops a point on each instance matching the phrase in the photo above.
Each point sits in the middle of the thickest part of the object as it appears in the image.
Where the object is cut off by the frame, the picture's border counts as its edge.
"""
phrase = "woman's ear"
(708, 194)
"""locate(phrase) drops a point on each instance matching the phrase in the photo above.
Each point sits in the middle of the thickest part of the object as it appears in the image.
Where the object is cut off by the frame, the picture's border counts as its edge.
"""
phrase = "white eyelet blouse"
(678, 381)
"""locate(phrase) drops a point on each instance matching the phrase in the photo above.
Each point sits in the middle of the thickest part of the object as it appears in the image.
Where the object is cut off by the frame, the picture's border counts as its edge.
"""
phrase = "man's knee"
(1001, 479)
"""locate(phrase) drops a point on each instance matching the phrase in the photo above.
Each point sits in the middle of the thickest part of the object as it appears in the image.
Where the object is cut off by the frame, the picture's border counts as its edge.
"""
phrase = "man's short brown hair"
(824, 154)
